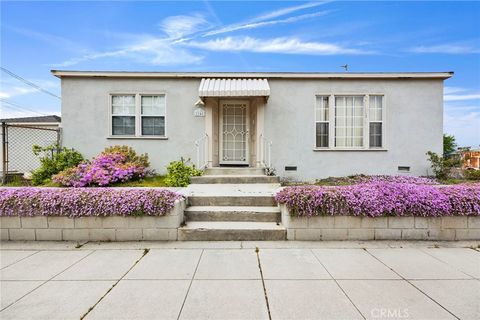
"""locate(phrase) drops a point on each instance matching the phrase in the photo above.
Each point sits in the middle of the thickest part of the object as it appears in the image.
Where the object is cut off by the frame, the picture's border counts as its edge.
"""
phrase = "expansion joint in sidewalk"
(145, 252)
(257, 250)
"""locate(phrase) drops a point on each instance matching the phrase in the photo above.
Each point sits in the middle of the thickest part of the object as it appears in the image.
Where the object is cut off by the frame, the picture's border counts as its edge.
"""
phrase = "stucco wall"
(414, 123)
(86, 125)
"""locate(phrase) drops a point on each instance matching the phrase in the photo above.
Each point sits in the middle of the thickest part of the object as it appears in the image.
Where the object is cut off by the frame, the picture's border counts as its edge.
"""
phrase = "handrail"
(202, 151)
(265, 151)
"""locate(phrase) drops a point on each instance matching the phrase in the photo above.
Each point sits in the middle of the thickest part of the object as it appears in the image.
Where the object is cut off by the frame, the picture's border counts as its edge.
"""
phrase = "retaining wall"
(380, 228)
(111, 228)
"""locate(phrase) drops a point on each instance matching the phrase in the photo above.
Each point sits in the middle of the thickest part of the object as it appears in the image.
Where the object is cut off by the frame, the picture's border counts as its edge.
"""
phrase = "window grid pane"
(123, 126)
(376, 119)
(153, 126)
(321, 122)
(123, 105)
(153, 105)
(322, 135)
(349, 121)
(375, 134)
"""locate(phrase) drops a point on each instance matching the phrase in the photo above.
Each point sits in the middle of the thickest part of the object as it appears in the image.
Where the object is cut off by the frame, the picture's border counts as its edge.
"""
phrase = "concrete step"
(229, 213)
(234, 179)
(234, 171)
(233, 231)
(225, 200)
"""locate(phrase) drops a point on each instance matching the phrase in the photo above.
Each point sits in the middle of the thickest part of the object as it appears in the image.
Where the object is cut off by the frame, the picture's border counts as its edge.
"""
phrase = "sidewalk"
(240, 280)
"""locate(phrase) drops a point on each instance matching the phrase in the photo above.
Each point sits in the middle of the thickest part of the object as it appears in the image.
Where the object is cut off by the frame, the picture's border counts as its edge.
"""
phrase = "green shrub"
(179, 173)
(472, 174)
(442, 167)
(53, 159)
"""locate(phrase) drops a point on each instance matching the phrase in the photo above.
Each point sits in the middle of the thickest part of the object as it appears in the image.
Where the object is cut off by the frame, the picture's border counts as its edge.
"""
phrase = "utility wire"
(29, 83)
(19, 107)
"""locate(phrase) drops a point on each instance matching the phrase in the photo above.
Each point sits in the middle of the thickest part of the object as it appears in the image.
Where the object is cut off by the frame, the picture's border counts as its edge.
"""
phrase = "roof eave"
(268, 75)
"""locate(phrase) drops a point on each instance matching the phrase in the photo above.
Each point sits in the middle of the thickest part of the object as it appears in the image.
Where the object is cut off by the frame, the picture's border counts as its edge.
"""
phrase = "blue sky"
(242, 36)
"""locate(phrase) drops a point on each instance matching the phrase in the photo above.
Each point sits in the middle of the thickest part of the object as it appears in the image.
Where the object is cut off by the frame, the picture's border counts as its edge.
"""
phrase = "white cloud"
(10, 87)
(449, 48)
(460, 97)
(150, 51)
(273, 45)
(465, 126)
(450, 90)
(253, 24)
(285, 11)
(179, 26)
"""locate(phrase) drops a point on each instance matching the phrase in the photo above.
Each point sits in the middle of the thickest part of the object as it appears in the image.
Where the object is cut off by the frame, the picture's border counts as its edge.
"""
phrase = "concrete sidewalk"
(240, 280)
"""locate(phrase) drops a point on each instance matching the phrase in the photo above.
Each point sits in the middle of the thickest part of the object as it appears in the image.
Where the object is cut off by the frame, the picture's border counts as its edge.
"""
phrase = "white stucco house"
(305, 125)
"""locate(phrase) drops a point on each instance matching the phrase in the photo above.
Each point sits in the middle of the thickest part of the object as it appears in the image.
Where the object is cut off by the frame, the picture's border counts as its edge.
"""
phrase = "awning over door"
(216, 87)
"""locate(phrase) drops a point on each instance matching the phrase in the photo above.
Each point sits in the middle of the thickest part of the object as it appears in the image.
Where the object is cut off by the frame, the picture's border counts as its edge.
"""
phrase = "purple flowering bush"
(115, 164)
(78, 202)
(361, 178)
(382, 198)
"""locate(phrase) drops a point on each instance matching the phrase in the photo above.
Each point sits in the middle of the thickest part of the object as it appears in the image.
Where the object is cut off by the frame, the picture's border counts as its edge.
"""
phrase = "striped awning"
(216, 87)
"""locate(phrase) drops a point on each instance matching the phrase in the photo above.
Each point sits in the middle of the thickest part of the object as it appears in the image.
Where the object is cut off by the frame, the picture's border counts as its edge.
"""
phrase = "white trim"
(247, 136)
(271, 75)
(366, 122)
(138, 115)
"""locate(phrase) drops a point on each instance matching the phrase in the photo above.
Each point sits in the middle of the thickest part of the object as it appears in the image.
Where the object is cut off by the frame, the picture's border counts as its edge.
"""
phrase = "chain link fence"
(17, 155)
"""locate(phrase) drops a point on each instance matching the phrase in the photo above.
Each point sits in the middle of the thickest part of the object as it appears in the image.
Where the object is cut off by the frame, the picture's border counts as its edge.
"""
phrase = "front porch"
(234, 123)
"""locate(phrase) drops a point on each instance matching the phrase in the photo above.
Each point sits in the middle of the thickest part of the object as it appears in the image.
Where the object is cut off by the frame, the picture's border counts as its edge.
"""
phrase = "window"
(349, 120)
(153, 115)
(375, 116)
(322, 121)
(132, 110)
(123, 115)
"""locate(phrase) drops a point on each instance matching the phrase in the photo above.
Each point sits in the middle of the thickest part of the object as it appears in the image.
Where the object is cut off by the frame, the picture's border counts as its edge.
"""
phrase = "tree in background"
(449, 144)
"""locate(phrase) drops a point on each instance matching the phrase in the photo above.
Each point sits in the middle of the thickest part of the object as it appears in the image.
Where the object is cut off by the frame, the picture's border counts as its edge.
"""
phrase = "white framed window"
(153, 115)
(123, 115)
(349, 121)
(138, 115)
(375, 119)
(322, 116)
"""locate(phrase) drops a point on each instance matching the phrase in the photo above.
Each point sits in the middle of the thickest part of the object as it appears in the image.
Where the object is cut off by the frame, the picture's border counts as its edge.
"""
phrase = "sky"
(241, 36)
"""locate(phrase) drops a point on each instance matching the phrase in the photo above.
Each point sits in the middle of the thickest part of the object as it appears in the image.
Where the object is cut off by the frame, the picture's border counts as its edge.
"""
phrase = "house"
(304, 125)
(470, 158)
(20, 136)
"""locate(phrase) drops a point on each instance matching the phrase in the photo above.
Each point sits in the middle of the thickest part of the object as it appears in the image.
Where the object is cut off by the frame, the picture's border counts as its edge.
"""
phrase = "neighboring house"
(305, 125)
(22, 134)
(470, 158)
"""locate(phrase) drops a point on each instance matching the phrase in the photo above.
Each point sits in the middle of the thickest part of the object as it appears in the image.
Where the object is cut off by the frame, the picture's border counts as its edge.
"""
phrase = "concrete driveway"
(240, 280)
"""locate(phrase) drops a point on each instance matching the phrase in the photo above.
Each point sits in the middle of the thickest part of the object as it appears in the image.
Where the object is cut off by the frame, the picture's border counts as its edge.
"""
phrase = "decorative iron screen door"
(234, 132)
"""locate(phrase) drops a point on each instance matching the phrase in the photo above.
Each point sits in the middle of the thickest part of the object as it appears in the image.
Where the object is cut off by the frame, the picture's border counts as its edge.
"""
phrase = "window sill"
(346, 149)
(137, 138)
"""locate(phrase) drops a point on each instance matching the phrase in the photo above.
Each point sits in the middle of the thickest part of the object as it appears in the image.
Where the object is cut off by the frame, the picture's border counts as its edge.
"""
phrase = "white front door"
(234, 116)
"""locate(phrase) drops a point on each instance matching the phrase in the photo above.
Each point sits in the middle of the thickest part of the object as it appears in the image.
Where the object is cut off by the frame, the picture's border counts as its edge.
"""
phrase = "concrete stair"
(233, 213)
(232, 204)
(231, 200)
(231, 231)
(234, 171)
(234, 179)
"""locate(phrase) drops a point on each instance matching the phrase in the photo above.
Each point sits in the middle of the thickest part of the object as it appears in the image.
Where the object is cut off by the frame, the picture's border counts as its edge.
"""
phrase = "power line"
(29, 83)
(19, 107)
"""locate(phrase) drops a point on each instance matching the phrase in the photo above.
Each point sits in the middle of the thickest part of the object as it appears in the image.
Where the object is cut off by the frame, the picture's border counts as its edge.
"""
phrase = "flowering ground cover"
(78, 202)
(383, 197)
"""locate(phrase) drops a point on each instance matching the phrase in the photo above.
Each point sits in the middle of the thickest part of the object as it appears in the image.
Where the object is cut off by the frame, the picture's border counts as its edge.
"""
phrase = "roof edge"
(268, 75)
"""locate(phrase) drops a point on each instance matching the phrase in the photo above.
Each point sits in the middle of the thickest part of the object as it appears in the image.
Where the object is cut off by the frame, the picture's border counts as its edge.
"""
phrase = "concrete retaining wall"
(381, 228)
(112, 228)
